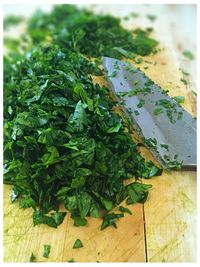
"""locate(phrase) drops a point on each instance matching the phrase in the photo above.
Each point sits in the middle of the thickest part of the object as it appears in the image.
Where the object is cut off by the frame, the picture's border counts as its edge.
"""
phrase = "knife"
(166, 128)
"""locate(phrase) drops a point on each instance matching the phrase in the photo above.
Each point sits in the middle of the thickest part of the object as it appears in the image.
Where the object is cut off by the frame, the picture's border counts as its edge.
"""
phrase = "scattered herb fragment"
(136, 112)
(175, 164)
(47, 249)
(32, 258)
(137, 192)
(134, 15)
(157, 111)
(54, 220)
(165, 146)
(184, 81)
(138, 60)
(78, 244)
(179, 99)
(188, 54)
(151, 143)
(110, 219)
(11, 21)
(194, 93)
(71, 260)
(184, 72)
(170, 109)
(141, 103)
(151, 17)
(125, 210)
(112, 74)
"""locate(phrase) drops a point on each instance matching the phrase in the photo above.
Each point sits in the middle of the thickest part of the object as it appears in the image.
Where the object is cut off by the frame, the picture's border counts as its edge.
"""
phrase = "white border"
(1, 114)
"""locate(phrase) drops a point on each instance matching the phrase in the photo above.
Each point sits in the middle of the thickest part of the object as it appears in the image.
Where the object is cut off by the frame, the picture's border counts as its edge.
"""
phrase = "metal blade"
(168, 130)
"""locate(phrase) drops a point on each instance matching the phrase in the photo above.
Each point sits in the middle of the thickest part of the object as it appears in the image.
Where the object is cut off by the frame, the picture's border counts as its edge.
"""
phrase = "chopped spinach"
(32, 258)
(54, 220)
(170, 109)
(151, 143)
(175, 164)
(125, 210)
(78, 244)
(110, 219)
(151, 17)
(62, 140)
(138, 60)
(11, 21)
(136, 112)
(141, 103)
(47, 249)
(158, 111)
(91, 34)
(165, 146)
(184, 81)
(179, 99)
(188, 54)
(137, 192)
(71, 260)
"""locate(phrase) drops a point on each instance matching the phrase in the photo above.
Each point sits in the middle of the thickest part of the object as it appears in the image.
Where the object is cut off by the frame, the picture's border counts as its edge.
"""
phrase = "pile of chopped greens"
(92, 35)
(62, 140)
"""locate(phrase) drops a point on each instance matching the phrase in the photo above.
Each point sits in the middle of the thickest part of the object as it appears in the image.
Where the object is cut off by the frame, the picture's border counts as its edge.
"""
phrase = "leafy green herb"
(78, 244)
(137, 192)
(151, 17)
(126, 18)
(136, 112)
(71, 260)
(151, 142)
(134, 15)
(78, 221)
(141, 103)
(32, 258)
(179, 99)
(12, 21)
(123, 52)
(63, 141)
(184, 81)
(170, 108)
(58, 217)
(47, 249)
(165, 146)
(188, 54)
(112, 74)
(157, 111)
(138, 60)
(184, 72)
(194, 93)
(125, 210)
(110, 219)
(175, 164)
(54, 220)
(93, 35)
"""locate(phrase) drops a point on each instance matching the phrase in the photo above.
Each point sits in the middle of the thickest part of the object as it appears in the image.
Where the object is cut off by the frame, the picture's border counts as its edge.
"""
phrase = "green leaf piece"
(125, 210)
(110, 220)
(64, 142)
(78, 244)
(47, 250)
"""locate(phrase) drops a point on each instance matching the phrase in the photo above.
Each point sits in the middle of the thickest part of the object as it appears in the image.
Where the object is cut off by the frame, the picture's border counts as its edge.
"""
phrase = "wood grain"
(110, 245)
(169, 213)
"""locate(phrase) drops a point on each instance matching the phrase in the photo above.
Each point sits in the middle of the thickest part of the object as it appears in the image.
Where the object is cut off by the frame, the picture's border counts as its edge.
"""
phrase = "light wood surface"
(118, 245)
(163, 230)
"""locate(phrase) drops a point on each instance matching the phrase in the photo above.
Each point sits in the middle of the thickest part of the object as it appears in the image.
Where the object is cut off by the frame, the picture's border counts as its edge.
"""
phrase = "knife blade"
(165, 127)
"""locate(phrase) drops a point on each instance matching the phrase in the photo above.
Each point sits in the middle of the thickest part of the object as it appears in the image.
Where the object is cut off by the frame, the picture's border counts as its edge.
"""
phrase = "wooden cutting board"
(161, 230)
